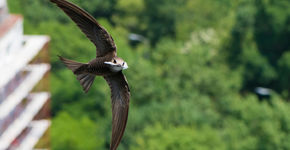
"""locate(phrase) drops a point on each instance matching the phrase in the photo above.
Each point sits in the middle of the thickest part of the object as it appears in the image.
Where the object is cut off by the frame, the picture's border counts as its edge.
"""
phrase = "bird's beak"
(125, 66)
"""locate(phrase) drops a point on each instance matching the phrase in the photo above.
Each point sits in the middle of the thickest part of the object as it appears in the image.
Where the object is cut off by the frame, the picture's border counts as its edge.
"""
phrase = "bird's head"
(117, 64)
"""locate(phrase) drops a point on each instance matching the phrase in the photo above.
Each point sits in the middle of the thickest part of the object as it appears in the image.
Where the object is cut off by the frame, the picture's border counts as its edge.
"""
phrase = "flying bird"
(106, 64)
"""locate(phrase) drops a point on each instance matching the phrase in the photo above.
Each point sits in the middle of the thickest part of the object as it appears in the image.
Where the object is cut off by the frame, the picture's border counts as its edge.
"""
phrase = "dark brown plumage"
(106, 64)
(120, 106)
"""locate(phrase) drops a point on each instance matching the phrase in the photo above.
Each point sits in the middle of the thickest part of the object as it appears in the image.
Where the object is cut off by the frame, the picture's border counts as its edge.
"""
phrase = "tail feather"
(86, 79)
(72, 65)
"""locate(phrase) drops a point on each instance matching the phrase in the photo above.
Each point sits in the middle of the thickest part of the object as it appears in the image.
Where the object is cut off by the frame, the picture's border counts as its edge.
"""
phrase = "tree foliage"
(191, 84)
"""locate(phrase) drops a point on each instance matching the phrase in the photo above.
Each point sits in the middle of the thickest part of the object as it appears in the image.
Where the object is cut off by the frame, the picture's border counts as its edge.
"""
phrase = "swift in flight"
(106, 64)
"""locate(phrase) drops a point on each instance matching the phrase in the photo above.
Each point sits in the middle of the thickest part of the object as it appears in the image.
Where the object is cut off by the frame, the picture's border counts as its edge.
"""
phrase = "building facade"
(24, 85)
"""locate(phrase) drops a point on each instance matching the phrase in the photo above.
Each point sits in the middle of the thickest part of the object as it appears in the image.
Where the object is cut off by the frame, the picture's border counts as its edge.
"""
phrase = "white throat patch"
(115, 67)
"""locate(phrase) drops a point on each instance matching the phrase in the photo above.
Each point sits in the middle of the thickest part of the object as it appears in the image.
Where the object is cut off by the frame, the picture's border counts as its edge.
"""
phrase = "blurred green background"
(192, 77)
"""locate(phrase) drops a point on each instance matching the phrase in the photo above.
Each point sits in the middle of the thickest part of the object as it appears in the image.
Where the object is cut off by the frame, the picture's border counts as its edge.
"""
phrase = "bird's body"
(107, 64)
(97, 66)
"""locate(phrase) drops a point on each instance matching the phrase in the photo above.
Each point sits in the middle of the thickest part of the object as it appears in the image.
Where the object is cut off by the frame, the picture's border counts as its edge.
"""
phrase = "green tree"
(74, 134)
(171, 138)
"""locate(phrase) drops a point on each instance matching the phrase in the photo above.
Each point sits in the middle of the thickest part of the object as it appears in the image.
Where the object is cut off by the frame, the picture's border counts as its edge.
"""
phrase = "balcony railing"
(22, 121)
(36, 74)
(16, 61)
(30, 136)
(12, 85)
(13, 115)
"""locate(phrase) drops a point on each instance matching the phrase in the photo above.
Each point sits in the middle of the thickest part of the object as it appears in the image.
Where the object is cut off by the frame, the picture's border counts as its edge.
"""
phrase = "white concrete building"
(24, 96)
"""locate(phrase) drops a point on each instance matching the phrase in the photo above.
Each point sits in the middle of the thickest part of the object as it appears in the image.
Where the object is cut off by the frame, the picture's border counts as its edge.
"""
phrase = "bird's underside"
(96, 67)
(106, 64)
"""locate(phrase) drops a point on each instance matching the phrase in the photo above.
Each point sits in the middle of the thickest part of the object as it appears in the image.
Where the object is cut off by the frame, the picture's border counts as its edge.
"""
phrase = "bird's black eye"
(123, 64)
(115, 61)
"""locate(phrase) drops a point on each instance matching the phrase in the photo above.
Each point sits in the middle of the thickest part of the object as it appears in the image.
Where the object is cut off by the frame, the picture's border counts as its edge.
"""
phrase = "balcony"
(18, 60)
(26, 115)
(36, 74)
(30, 136)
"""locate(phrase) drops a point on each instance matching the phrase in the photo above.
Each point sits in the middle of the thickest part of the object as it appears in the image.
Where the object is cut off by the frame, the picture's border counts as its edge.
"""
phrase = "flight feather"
(89, 26)
(120, 97)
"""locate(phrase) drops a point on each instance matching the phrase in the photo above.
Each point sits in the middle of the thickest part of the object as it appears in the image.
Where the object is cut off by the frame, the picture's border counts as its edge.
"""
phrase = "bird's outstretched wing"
(120, 95)
(89, 26)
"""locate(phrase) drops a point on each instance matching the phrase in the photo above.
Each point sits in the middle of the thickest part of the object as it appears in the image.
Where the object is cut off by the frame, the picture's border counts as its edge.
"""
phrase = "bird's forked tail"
(86, 79)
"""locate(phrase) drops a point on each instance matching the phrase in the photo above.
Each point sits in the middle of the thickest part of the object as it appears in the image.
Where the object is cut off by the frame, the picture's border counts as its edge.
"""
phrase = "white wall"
(3, 10)
(2, 3)
(11, 43)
